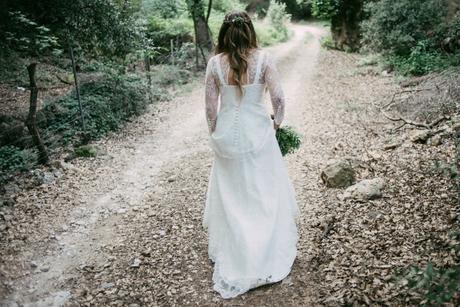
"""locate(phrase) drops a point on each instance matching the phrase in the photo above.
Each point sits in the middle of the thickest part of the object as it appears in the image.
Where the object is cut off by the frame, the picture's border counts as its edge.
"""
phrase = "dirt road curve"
(125, 228)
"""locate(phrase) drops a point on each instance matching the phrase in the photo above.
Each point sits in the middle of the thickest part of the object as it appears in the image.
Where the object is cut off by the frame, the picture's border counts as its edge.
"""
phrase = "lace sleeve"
(273, 82)
(211, 96)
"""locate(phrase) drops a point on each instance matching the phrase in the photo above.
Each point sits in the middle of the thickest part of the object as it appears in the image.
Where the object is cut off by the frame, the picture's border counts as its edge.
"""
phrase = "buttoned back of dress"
(243, 123)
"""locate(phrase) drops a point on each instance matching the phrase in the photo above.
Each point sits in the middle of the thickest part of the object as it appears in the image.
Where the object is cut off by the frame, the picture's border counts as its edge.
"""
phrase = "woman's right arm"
(211, 96)
(273, 82)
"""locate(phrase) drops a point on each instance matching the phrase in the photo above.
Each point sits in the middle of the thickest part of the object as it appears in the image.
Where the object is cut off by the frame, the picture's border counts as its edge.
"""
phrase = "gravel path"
(124, 229)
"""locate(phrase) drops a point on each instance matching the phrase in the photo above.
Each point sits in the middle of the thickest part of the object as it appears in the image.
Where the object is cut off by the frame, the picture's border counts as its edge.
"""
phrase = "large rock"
(365, 190)
(420, 136)
(338, 174)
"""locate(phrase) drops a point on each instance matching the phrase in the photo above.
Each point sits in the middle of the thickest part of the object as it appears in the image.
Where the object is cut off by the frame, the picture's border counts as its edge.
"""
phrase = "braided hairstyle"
(236, 38)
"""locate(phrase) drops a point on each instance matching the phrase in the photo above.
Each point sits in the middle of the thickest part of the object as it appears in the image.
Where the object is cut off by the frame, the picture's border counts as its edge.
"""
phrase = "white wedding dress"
(250, 206)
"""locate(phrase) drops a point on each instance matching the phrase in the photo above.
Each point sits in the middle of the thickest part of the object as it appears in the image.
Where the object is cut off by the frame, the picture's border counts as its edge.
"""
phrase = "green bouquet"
(288, 139)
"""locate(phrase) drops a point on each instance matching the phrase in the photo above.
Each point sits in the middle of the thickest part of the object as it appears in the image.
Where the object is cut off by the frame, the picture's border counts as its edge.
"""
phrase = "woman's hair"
(236, 37)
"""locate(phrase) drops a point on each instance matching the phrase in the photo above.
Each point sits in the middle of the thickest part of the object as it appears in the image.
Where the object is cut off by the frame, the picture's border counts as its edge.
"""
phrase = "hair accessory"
(239, 21)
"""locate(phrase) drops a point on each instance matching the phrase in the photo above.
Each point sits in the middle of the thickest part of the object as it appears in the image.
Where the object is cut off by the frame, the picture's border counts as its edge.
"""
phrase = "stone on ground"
(365, 190)
(338, 174)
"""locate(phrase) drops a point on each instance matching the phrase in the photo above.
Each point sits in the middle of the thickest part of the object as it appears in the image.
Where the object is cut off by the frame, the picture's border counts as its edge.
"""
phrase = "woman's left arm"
(273, 82)
(211, 96)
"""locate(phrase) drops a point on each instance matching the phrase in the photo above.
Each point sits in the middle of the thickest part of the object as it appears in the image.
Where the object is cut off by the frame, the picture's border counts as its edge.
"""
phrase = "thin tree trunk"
(203, 37)
(31, 121)
(149, 77)
(209, 11)
(196, 42)
(77, 88)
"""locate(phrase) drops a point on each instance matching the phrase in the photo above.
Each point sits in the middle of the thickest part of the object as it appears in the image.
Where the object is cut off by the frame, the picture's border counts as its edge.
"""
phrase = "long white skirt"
(250, 215)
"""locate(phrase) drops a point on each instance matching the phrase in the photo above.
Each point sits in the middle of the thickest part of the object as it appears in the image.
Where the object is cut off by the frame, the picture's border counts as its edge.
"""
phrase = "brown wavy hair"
(236, 38)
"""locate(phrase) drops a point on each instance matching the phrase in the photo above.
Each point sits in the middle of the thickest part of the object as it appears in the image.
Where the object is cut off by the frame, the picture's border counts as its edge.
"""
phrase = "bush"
(225, 6)
(414, 37)
(161, 31)
(279, 20)
(107, 104)
(14, 159)
(86, 151)
(437, 285)
(421, 60)
(396, 27)
(327, 42)
(274, 28)
(163, 8)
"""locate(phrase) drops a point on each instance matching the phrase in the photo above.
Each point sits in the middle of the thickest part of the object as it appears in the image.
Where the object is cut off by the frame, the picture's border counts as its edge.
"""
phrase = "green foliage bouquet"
(288, 139)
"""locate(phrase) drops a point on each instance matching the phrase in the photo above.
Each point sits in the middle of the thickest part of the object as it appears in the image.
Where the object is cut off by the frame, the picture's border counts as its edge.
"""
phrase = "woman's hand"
(275, 125)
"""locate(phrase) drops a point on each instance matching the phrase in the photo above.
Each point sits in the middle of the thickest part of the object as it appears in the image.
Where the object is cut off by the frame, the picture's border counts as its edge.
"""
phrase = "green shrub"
(274, 28)
(163, 8)
(422, 60)
(279, 20)
(161, 31)
(166, 75)
(327, 42)
(14, 159)
(225, 6)
(86, 151)
(396, 27)
(107, 104)
(437, 285)
(415, 37)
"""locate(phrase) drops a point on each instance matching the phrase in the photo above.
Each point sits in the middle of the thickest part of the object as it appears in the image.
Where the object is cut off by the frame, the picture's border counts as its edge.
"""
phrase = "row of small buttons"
(236, 126)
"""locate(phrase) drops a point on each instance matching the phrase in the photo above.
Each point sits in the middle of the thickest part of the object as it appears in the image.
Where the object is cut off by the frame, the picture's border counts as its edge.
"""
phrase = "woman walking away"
(250, 206)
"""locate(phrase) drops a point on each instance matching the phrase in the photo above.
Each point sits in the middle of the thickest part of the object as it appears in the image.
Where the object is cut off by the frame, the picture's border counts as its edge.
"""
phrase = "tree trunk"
(203, 38)
(31, 121)
(345, 25)
(77, 87)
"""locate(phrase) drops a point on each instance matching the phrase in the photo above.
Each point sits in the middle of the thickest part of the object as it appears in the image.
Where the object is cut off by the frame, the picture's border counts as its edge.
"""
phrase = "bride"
(250, 204)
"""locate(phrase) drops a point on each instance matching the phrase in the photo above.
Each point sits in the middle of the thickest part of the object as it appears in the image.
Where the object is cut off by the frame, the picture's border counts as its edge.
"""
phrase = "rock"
(420, 136)
(171, 179)
(107, 285)
(45, 268)
(33, 264)
(287, 281)
(391, 145)
(135, 263)
(121, 211)
(374, 214)
(46, 178)
(365, 190)
(64, 165)
(338, 174)
(146, 252)
(436, 140)
(11, 189)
